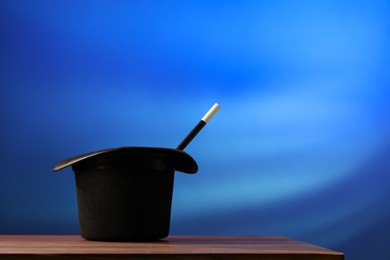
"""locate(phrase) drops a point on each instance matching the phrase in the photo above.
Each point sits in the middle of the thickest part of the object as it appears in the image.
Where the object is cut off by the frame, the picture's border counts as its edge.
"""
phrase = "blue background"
(300, 147)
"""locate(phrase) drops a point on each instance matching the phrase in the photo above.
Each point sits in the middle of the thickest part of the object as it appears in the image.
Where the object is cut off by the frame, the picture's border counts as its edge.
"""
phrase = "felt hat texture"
(125, 193)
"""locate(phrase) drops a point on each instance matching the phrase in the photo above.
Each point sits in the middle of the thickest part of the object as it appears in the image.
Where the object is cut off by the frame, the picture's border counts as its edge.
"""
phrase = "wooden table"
(174, 247)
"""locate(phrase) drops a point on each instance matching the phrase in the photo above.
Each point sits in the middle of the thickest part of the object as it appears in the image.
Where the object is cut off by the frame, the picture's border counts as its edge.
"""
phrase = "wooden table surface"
(173, 247)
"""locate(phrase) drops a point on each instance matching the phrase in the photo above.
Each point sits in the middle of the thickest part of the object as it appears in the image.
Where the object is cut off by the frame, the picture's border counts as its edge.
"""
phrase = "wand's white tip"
(206, 118)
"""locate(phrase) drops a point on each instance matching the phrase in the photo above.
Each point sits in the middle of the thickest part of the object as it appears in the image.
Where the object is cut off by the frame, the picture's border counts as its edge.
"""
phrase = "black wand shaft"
(191, 135)
(206, 118)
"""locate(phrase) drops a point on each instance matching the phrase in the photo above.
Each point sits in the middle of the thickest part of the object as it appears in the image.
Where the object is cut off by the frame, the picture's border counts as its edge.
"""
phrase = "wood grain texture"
(174, 247)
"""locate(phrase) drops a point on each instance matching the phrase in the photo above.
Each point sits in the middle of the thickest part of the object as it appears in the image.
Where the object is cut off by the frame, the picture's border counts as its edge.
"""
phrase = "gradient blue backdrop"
(300, 147)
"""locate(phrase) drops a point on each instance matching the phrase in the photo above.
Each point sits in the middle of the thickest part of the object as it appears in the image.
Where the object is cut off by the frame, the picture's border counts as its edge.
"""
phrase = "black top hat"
(125, 194)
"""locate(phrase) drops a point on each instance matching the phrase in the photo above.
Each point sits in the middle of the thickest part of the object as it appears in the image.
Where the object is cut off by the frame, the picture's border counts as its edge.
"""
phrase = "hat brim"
(182, 161)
